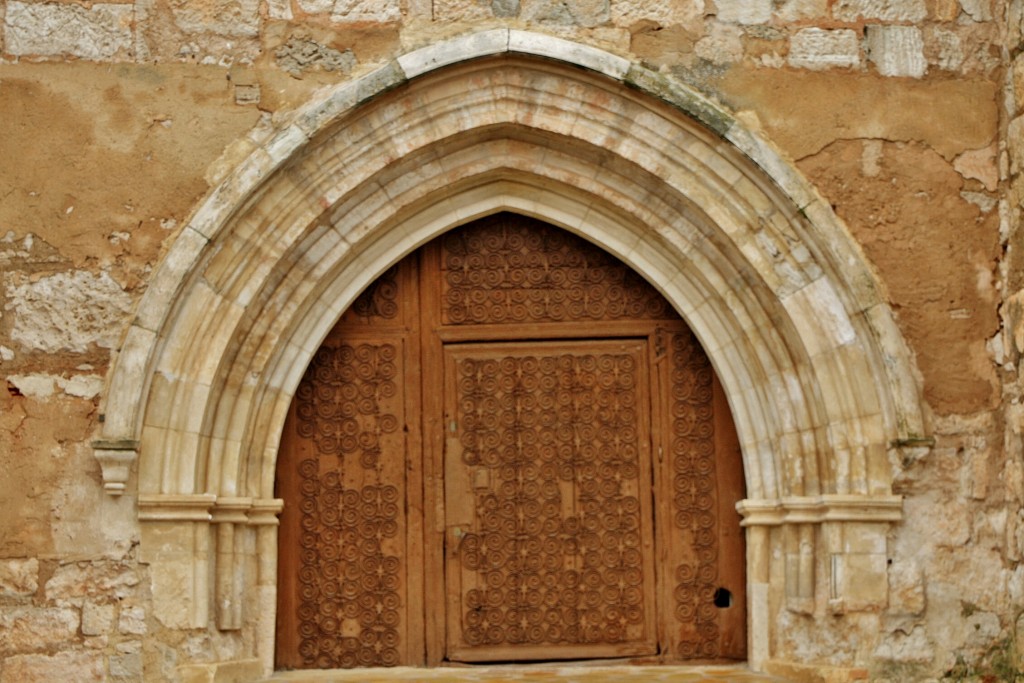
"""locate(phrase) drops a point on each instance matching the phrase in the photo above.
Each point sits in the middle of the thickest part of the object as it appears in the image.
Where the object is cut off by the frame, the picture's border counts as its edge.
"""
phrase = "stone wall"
(116, 118)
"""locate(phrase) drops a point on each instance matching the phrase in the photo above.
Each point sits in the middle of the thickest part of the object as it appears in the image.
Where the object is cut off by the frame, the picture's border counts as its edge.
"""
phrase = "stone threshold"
(581, 672)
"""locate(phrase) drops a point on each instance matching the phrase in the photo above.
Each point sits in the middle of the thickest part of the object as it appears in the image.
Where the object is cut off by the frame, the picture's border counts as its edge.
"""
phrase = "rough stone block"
(947, 48)
(300, 54)
(466, 10)
(220, 17)
(664, 12)
(81, 667)
(978, 10)
(897, 50)
(505, 8)
(126, 665)
(586, 13)
(906, 648)
(43, 386)
(723, 44)
(744, 11)
(132, 621)
(279, 9)
(886, 10)
(28, 629)
(792, 10)
(67, 311)
(982, 628)
(97, 620)
(860, 580)
(72, 583)
(101, 32)
(351, 11)
(815, 48)
(19, 578)
(316, 6)
(945, 10)
(979, 164)
(1015, 143)
(906, 588)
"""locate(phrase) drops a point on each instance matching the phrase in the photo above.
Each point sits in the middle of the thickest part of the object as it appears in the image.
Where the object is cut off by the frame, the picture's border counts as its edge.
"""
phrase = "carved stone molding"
(848, 531)
(176, 508)
(116, 459)
(818, 509)
(184, 555)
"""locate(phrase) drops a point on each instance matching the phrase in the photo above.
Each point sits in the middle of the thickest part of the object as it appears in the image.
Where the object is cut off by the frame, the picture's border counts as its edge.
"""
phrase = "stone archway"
(818, 378)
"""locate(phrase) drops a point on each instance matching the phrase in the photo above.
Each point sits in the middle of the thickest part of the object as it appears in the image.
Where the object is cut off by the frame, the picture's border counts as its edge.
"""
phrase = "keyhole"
(723, 598)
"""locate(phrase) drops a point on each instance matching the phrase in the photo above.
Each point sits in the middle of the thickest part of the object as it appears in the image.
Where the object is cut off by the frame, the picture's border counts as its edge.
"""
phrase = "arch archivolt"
(819, 382)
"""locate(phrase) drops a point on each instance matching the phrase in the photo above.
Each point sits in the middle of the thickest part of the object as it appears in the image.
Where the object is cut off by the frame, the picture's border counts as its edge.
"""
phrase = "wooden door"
(510, 448)
(547, 505)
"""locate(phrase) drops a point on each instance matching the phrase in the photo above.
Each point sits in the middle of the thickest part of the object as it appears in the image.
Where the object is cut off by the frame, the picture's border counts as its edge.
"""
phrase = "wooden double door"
(510, 448)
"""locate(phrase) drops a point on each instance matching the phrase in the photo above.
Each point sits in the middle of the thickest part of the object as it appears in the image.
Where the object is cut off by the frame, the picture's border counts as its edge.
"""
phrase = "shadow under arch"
(819, 380)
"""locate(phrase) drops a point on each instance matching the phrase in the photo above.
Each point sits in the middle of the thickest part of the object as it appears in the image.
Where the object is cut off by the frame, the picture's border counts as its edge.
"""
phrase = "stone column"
(263, 517)
(229, 514)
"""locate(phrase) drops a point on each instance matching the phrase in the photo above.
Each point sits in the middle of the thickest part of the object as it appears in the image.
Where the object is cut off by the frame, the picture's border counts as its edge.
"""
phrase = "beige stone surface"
(33, 485)
(19, 578)
(97, 619)
(910, 219)
(222, 17)
(897, 50)
(744, 11)
(815, 48)
(131, 123)
(353, 11)
(586, 13)
(83, 667)
(100, 31)
(886, 10)
(793, 10)
(132, 620)
(979, 164)
(25, 629)
(863, 107)
(665, 13)
(66, 311)
(70, 583)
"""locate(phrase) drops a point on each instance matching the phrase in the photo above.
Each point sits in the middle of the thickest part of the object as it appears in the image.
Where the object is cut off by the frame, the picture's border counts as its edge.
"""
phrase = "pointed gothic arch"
(819, 380)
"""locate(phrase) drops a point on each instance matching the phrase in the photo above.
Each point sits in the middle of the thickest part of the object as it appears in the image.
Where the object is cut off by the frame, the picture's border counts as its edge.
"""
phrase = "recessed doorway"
(510, 448)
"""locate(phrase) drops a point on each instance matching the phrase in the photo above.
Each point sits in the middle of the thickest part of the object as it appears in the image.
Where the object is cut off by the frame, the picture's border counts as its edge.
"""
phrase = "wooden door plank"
(415, 559)
(434, 430)
(661, 484)
(732, 608)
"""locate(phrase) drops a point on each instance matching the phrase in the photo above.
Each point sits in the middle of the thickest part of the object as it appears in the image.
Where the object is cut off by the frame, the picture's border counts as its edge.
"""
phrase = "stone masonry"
(117, 119)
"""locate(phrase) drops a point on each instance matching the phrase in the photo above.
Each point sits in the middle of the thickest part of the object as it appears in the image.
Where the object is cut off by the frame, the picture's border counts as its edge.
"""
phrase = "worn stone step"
(532, 673)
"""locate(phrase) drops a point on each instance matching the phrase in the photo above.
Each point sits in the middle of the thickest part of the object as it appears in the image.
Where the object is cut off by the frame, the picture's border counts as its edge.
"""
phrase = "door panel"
(547, 501)
(350, 572)
(345, 594)
(703, 588)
